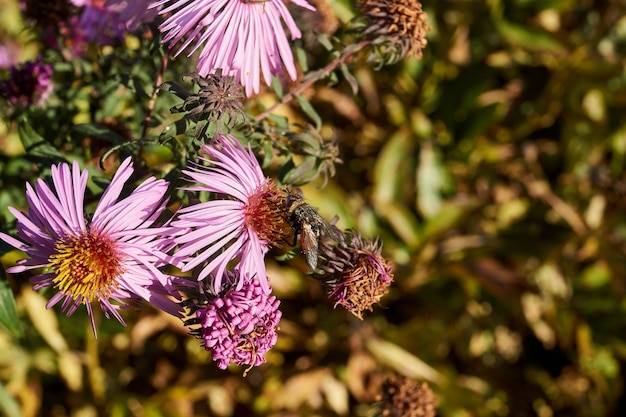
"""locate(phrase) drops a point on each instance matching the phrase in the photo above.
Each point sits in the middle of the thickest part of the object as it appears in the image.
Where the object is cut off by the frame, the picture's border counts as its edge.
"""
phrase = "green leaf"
(447, 217)
(354, 84)
(37, 147)
(433, 180)
(301, 174)
(526, 37)
(9, 406)
(277, 86)
(301, 57)
(325, 42)
(8, 313)
(309, 110)
(132, 83)
(97, 132)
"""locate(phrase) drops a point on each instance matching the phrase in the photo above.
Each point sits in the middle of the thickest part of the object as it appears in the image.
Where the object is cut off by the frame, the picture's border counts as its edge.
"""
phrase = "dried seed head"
(396, 28)
(356, 274)
(404, 397)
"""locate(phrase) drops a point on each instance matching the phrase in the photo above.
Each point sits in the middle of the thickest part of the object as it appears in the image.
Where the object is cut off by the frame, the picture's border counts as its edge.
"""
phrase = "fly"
(307, 222)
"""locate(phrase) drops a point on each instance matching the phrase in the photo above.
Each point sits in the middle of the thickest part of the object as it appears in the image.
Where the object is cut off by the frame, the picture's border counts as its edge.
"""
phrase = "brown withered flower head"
(404, 397)
(355, 273)
(396, 28)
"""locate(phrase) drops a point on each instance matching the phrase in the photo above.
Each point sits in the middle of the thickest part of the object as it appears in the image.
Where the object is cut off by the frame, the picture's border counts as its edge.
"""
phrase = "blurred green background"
(493, 170)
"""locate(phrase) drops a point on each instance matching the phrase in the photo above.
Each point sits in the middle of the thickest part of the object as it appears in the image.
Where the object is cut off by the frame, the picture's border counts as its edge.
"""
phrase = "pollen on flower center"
(265, 214)
(86, 266)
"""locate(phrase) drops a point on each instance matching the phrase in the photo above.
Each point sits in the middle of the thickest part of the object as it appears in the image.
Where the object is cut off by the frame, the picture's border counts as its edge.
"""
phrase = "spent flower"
(237, 227)
(395, 28)
(111, 257)
(243, 38)
(404, 397)
(356, 274)
(237, 325)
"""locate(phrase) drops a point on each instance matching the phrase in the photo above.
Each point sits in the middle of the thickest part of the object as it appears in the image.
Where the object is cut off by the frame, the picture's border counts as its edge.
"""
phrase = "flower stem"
(315, 76)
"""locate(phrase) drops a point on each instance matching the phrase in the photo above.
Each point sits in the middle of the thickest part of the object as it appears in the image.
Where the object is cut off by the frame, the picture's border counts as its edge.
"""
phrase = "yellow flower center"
(86, 266)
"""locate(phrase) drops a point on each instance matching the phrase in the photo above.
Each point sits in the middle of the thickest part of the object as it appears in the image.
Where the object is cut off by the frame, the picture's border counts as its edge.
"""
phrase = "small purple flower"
(238, 325)
(99, 22)
(28, 84)
(135, 12)
(243, 38)
(106, 21)
(111, 258)
(236, 228)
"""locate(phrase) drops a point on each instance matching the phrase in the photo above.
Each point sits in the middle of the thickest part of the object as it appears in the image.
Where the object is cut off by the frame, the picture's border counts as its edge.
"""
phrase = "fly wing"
(332, 232)
(309, 245)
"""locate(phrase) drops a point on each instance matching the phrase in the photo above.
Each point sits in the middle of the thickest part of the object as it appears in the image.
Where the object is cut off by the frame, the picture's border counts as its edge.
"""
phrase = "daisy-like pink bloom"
(111, 259)
(235, 228)
(238, 325)
(243, 38)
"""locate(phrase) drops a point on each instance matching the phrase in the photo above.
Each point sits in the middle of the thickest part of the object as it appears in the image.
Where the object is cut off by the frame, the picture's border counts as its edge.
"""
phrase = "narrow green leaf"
(97, 132)
(8, 313)
(325, 42)
(308, 109)
(36, 146)
(277, 86)
(354, 84)
(526, 37)
(301, 57)
(432, 179)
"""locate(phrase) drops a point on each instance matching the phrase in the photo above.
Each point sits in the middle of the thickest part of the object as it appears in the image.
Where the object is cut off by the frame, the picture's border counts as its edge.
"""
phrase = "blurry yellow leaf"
(596, 275)
(71, 371)
(220, 400)
(595, 211)
(594, 106)
(304, 388)
(363, 377)
(44, 320)
(551, 281)
(511, 211)
(405, 363)
(336, 394)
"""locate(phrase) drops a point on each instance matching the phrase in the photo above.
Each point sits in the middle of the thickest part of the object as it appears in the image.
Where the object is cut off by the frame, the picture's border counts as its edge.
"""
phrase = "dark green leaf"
(8, 313)
(310, 111)
(36, 146)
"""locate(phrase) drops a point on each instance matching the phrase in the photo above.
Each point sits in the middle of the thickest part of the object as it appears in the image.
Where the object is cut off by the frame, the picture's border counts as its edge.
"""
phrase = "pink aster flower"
(111, 259)
(243, 38)
(236, 227)
(238, 325)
